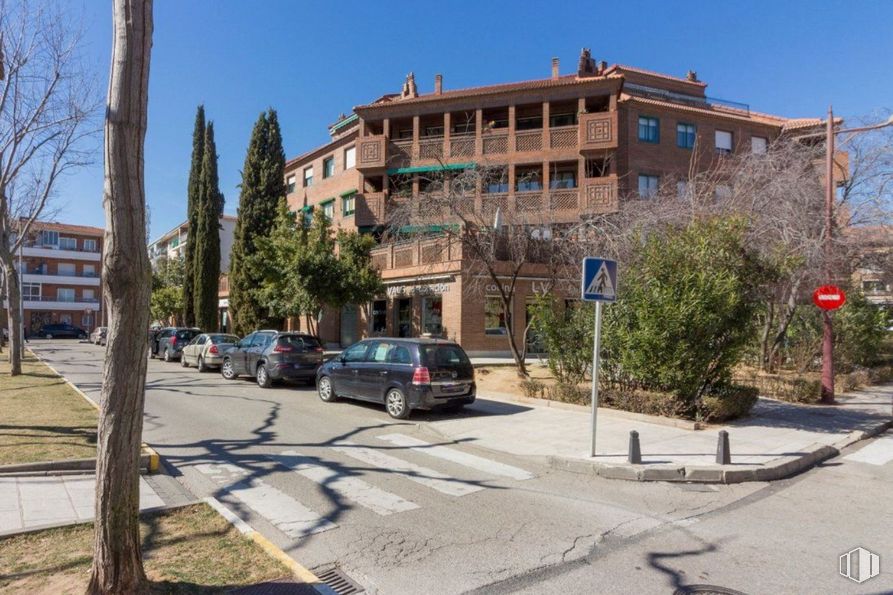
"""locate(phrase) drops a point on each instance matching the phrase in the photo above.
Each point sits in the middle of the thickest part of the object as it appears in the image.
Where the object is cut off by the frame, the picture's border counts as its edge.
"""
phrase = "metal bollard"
(723, 454)
(635, 451)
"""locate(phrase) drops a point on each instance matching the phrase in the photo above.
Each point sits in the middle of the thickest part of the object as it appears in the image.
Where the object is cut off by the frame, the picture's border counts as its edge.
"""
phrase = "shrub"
(686, 310)
(859, 332)
(566, 336)
(643, 401)
(532, 389)
(569, 393)
(803, 390)
(727, 401)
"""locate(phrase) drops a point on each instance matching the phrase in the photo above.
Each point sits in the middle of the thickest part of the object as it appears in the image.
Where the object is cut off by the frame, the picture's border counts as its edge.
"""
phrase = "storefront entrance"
(348, 325)
(404, 317)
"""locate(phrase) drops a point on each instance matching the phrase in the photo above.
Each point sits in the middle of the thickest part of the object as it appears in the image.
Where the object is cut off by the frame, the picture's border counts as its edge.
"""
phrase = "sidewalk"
(37, 501)
(778, 435)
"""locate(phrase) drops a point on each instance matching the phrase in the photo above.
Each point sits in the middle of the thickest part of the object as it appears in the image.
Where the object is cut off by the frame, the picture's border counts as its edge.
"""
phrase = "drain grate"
(339, 581)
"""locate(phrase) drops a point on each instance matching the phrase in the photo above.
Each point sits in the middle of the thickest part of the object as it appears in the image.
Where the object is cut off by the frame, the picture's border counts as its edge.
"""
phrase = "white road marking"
(879, 452)
(281, 510)
(352, 488)
(427, 477)
(457, 456)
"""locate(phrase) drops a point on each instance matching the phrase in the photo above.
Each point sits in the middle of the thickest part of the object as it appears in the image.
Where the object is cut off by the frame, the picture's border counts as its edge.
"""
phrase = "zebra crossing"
(342, 482)
(879, 452)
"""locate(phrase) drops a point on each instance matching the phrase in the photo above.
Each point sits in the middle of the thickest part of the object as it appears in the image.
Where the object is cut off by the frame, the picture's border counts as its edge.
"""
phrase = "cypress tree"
(193, 192)
(206, 239)
(262, 192)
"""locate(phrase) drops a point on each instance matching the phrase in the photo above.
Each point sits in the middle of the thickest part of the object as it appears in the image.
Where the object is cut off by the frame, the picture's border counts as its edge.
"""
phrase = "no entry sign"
(829, 297)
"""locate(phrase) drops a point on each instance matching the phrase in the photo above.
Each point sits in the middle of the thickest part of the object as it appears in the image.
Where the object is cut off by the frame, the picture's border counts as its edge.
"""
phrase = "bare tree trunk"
(13, 296)
(117, 564)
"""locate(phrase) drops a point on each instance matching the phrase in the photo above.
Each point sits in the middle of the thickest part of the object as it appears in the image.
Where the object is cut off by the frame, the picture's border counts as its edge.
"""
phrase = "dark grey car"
(269, 356)
(169, 343)
(404, 374)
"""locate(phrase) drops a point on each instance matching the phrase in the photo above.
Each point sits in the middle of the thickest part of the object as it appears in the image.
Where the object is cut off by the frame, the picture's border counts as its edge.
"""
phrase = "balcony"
(370, 209)
(79, 279)
(419, 253)
(54, 303)
(50, 251)
(371, 152)
(598, 131)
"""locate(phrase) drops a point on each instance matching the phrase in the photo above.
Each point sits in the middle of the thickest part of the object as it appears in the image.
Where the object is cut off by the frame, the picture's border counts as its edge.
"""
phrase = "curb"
(153, 462)
(149, 462)
(779, 468)
(270, 548)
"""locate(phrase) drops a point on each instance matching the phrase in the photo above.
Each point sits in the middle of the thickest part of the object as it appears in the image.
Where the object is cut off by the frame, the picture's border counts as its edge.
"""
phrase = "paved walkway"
(27, 502)
(773, 429)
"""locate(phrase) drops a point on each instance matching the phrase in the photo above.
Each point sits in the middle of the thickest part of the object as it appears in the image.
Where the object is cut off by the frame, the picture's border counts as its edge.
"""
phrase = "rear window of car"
(443, 356)
(299, 342)
(217, 339)
(186, 334)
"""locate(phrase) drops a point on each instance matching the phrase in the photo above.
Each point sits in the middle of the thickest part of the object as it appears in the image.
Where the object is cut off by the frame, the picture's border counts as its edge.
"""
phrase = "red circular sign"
(829, 297)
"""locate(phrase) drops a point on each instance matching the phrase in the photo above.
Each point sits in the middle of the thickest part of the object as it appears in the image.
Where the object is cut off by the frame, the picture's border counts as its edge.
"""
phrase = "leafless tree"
(126, 278)
(46, 104)
(501, 243)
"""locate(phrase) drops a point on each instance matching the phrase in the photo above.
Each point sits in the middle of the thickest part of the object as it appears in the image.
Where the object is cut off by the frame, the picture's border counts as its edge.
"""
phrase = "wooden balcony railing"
(598, 130)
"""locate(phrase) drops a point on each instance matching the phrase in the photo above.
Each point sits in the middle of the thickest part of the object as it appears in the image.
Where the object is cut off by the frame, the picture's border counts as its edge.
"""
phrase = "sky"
(312, 61)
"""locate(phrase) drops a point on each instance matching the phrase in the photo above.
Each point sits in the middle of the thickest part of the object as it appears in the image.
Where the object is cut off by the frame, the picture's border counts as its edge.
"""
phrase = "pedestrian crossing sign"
(599, 280)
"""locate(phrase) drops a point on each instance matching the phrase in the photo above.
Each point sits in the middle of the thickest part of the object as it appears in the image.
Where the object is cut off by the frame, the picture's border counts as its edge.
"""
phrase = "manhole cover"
(339, 581)
(706, 590)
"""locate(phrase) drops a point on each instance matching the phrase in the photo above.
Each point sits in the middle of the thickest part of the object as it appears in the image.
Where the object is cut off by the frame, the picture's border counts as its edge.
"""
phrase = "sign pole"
(596, 347)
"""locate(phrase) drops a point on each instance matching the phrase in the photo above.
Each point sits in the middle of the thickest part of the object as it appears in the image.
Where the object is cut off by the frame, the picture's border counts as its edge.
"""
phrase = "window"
(378, 352)
(723, 142)
(89, 270)
(873, 286)
(648, 185)
(649, 129)
(758, 144)
(562, 120)
(31, 291)
(682, 189)
(529, 182)
(380, 316)
(68, 244)
(65, 294)
(308, 177)
(350, 157)
(529, 123)
(328, 208)
(290, 184)
(49, 238)
(494, 317)
(432, 316)
(685, 135)
(328, 167)
(65, 268)
(88, 295)
(563, 179)
(400, 355)
(722, 192)
(89, 245)
(357, 353)
(349, 204)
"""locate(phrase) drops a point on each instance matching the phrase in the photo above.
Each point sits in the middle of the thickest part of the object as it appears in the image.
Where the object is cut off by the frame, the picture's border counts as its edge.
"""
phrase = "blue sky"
(311, 61)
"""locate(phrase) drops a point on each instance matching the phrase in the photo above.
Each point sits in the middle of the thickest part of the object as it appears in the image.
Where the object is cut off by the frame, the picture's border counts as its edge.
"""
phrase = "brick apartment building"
(586, 140)
(60, 268)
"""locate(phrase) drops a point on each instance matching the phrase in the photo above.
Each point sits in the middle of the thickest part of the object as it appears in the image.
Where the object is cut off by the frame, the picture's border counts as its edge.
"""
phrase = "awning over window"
(427, 168)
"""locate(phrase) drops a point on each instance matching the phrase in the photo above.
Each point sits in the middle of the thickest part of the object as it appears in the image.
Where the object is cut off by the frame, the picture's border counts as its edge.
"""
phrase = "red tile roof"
(623, 67)
(65, 227)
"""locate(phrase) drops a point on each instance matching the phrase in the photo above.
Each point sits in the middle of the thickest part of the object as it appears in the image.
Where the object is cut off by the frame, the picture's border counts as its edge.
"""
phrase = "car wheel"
(201, 364)
(167, 355)
(263, 377)
(183, 361)
(395, 403)
(227, 370)
(325, 390)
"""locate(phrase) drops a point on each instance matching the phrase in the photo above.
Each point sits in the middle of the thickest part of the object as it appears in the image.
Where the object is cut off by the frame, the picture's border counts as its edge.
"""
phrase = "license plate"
(452, 388)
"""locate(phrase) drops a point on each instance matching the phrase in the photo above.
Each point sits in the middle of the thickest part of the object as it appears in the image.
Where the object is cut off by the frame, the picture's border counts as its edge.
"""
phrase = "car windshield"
(443, 356)
(187, 334)
(218, 339)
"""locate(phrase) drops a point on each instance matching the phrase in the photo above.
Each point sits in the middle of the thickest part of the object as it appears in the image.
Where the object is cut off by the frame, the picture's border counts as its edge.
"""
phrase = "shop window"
(495, 322)
(432, 316)
(380, 316)
(404, 317)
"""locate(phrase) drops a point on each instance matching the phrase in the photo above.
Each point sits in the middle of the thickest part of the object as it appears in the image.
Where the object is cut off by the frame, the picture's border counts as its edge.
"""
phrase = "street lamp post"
(828, 244)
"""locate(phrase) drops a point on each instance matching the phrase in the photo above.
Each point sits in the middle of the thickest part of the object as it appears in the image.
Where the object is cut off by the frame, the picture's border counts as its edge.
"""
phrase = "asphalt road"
(402, 511)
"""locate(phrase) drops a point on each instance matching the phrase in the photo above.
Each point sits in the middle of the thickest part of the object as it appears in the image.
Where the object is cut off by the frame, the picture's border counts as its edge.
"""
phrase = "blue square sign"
(599, 280)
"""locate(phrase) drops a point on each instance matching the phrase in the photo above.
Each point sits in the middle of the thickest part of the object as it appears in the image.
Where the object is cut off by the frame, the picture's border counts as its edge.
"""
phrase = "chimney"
(438, 84)
(554, 68)
(602, 67)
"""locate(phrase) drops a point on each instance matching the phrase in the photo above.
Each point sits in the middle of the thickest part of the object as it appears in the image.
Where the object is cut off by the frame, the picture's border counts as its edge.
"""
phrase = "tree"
(166, 303)
(126, 276)
(47, 101)
(205, 240)
(262, 191)
(499, 244)
(193, 198)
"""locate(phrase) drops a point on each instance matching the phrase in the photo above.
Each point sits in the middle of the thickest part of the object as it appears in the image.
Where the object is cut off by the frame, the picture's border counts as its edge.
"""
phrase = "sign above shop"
(428, 289)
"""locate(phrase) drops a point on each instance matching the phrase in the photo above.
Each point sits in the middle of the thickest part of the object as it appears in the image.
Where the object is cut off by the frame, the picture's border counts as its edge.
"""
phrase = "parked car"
(206, 350)
(61, 331)
(171, 340)
(98, 335)
(403, 374)
(269, 356)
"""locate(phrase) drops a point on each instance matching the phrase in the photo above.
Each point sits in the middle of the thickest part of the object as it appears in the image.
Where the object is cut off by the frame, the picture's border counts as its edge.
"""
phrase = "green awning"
(307, 209)
(426, 168)
(344, 122)
(408, 229)
(349, 192)
(326, 201)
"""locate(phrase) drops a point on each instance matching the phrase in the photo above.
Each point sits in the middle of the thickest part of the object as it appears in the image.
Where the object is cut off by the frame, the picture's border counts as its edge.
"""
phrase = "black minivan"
(404, 374)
